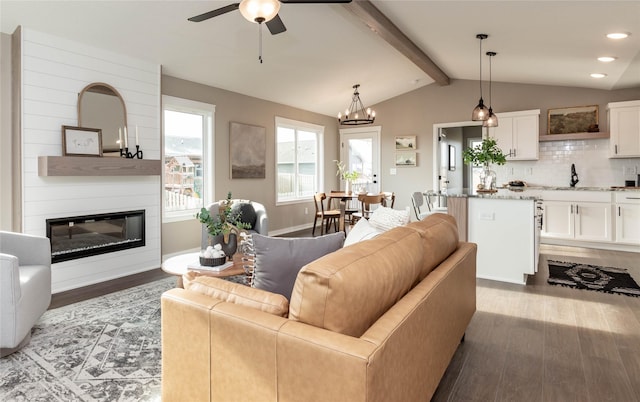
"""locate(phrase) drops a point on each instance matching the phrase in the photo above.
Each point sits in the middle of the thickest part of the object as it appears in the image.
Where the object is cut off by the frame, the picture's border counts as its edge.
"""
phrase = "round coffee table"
(178, 266)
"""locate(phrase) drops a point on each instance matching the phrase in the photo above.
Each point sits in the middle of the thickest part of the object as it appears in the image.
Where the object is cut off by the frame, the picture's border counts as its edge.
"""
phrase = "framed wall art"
(81, 141)
(452, 158)
(571, 120)
(247, 151)
(406, 158)
(406, 142)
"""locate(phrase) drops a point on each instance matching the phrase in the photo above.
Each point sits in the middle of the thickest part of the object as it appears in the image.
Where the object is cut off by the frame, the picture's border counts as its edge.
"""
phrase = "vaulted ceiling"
(328, 48)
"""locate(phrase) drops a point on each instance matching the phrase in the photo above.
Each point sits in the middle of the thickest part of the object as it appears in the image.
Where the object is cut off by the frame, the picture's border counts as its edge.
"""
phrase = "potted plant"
(484, 155)
(348, 176)
(224, 227)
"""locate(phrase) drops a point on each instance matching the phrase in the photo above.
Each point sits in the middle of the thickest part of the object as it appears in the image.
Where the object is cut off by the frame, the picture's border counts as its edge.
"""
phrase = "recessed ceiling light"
(617, 35)
(598, 75)
(606, 59)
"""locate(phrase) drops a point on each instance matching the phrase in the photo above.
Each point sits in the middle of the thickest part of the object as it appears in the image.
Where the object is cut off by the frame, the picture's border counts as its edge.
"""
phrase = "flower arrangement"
(486, 153)
(224, 223)
(344, 173)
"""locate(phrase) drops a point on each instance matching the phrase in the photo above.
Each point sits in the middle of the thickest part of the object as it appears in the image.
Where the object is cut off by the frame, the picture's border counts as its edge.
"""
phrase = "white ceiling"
(326, 49)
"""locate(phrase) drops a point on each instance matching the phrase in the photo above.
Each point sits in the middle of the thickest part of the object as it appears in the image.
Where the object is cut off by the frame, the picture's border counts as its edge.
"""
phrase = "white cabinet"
(624, 129)
(517, 134)
(505, 232)
(577, 215)
(627, 216)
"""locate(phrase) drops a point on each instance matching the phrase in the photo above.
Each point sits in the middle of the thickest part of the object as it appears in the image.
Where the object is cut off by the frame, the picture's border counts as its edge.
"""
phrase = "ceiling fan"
(260, 11)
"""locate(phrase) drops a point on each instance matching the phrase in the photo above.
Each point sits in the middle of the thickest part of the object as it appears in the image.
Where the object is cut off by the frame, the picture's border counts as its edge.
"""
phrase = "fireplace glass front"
(83, 236)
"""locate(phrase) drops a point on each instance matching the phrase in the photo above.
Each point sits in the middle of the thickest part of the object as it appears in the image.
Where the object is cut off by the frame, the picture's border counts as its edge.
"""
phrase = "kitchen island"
(506, 228)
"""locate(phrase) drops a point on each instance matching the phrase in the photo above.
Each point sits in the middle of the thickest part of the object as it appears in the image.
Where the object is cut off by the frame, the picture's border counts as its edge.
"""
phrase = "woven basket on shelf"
(212, 262)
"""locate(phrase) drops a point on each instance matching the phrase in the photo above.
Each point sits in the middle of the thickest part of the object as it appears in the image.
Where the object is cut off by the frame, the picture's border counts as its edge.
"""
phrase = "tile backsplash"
(591, 158)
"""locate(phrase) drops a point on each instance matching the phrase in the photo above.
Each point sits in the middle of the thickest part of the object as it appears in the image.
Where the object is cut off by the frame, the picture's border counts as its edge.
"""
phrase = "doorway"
(450, 140)
(360, 152)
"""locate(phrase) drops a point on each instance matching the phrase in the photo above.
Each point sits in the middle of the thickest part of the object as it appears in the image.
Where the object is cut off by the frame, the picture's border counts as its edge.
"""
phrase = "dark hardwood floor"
(543, 342)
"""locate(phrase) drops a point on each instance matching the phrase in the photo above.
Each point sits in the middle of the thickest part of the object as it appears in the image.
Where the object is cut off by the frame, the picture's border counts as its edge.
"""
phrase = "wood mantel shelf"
(575, 136)
(96, 166)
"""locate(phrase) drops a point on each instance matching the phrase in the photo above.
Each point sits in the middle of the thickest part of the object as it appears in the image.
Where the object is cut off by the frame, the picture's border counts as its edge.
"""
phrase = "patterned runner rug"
(102, 349)
(592, 277)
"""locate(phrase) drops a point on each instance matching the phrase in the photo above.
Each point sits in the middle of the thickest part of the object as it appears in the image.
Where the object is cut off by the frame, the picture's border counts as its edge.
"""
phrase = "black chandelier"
(356, 115)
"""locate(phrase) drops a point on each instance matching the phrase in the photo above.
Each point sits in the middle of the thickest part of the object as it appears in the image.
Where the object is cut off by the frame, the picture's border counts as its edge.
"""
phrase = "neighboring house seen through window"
(298, 160)
(188, 150)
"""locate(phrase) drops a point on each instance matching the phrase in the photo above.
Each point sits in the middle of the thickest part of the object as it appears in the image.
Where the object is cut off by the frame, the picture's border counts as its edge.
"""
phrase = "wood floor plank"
(606, 377)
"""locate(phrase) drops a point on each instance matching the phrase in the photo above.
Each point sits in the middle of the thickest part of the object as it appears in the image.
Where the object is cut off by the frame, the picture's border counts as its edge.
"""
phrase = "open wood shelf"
(96, 166)
(574, 136)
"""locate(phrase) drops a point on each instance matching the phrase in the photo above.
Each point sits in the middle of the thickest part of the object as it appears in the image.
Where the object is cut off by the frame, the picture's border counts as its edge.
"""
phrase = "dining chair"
(389, 199)
(326, 216)
(366, 203)
(417, 199)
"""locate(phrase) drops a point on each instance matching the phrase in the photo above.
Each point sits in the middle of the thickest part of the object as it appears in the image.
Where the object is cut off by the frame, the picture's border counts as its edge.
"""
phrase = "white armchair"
(261, 224)
(25, 287)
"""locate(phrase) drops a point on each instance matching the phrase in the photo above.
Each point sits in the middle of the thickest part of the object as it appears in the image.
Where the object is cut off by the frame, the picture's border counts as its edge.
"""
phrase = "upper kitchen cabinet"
(517, 134)
(624, 127)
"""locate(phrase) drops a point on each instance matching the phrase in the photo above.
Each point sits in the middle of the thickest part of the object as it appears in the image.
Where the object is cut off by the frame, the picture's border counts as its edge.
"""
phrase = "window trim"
(208, 152)
(299, 125)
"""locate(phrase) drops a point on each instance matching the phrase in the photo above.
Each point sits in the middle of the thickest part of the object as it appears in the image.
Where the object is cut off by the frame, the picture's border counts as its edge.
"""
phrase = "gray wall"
(234, 107)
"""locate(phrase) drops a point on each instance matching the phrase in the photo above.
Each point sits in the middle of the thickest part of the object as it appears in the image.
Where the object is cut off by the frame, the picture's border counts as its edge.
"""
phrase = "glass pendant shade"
(492, 120)
(259, 11)
(480, 113)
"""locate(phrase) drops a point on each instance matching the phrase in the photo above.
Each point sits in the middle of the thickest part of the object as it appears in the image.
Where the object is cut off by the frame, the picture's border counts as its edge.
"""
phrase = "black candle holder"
(124, 153)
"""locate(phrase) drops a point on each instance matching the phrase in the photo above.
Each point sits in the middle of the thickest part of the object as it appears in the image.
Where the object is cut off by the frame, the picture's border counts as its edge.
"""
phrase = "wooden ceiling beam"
(380, 24)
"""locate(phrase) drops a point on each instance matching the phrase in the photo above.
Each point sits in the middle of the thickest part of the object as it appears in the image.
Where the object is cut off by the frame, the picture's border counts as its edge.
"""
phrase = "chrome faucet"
(574, 176)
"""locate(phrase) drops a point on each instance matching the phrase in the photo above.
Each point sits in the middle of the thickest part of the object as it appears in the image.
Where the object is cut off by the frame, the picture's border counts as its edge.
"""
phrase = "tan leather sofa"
(375, 321)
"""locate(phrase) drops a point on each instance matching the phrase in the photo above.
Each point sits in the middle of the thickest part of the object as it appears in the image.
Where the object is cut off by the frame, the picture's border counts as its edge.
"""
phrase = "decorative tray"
(486, 191)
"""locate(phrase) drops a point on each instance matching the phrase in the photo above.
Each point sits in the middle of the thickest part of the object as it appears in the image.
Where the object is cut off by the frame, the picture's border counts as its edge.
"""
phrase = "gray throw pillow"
(247, 213)
(278, 259)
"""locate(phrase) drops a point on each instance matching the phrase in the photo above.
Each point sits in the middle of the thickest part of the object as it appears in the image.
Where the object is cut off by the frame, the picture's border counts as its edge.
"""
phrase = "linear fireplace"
(82, 236)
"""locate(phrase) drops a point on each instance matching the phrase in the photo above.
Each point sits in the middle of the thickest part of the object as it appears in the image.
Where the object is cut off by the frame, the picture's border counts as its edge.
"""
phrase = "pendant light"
(492, 119)
(480, 113)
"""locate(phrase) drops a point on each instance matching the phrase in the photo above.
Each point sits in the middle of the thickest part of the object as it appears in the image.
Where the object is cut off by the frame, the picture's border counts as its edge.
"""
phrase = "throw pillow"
(386, 218)
(362, 230)
(278, 259)
(247, 213)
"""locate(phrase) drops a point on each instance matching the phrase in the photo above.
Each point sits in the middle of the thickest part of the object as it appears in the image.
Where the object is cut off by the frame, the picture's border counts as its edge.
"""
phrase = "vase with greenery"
(223, 228)
(348, 176)
(484, 155)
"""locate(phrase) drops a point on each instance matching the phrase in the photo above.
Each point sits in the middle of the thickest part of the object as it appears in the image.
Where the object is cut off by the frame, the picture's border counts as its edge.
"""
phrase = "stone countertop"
(503, 194)
(520, 193)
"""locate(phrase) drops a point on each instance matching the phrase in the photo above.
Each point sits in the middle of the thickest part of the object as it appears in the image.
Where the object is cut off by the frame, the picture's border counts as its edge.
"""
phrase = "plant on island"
(484, 154)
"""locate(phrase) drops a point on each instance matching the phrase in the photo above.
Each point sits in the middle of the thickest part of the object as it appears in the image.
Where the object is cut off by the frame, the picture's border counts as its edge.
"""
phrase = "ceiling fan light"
(259, 11)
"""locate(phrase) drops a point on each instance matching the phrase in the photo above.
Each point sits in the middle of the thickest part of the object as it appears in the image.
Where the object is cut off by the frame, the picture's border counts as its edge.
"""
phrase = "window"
(298, 160)
(188, 150)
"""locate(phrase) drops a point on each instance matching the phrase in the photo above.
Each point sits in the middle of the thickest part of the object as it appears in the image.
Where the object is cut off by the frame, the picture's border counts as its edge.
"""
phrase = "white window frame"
(301, 125)
(208, 152)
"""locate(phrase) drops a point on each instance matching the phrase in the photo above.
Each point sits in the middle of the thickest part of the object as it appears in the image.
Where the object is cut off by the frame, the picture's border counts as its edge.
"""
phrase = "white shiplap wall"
(54, 71)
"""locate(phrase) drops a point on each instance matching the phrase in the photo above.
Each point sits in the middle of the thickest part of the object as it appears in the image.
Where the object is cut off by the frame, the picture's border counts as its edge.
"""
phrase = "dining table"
(343, 197)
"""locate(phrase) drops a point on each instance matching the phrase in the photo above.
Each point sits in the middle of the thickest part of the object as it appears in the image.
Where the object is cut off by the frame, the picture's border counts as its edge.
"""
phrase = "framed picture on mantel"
(81, 141)
(572, 120)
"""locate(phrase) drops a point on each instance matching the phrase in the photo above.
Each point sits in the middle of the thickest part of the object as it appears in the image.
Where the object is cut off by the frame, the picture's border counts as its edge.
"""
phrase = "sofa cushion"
(384, 218)
(239, 294)
(247, 213)
(440, 236)
(362, 230)
(348, 290)
(278, 259)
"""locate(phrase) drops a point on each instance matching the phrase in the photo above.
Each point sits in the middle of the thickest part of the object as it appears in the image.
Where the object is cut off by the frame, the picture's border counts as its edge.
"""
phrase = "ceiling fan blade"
(313, 1)
(215, 13)
(276, 25)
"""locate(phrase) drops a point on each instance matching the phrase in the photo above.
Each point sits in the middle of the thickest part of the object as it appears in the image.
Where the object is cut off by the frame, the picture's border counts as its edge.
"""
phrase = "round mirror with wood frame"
(101, 106)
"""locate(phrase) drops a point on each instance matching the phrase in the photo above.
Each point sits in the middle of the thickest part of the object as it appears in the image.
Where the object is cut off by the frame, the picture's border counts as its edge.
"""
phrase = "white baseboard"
(298, 228)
